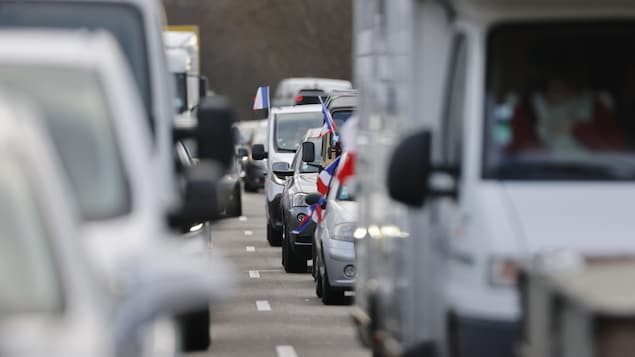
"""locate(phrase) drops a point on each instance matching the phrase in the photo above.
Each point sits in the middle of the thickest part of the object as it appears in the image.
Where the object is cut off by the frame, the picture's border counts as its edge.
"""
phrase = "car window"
(124, 22)
(27, 270)
(306, 167)
(79, 120)
(559, 103)
(291, 127)
(345, 193)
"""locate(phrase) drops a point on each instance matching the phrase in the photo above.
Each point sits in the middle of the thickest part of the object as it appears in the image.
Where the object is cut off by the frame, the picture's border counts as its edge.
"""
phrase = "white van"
(89, 103)
(285, 129)
(288, 88)
(524, 111)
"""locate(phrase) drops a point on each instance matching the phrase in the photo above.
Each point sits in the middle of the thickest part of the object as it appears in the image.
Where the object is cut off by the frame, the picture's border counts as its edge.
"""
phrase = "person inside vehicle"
(565, 116)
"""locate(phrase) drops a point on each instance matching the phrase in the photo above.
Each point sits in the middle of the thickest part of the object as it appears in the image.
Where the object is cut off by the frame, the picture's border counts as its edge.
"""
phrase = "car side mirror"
(312, 198)
(163, 281)
(242, 152)
(202, 86)
(200, 201)
(308, 151)
(409, 170)
(212, 130)
(282, 169)
(258, 152)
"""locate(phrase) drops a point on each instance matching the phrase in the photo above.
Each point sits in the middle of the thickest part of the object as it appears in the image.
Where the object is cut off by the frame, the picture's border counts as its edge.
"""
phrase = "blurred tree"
(248, 43)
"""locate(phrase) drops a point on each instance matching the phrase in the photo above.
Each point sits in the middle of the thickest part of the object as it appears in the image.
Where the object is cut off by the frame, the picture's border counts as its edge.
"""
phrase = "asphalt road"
(272, 313)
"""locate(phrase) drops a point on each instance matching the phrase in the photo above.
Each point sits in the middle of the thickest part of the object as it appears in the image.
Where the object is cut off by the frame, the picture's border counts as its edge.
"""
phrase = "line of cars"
(102, 217)
(296, 151)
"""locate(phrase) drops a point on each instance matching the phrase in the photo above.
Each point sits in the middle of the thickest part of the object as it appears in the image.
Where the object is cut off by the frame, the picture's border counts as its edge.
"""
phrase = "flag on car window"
(325, 177)
(262, 98)
(349, 143)
(329, 123)
(314, 214)
(347, 167)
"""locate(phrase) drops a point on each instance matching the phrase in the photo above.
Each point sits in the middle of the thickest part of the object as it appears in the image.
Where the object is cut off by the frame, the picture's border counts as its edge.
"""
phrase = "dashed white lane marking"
(242, 218)
(254, 274)
(263, 305)
(286, 351)
(249, 233)
(250, 248)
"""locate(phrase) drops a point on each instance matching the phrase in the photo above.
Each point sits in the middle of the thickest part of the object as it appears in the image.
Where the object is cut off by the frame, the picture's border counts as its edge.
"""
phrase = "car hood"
(306, 182)
(343, 211)
(591, 218)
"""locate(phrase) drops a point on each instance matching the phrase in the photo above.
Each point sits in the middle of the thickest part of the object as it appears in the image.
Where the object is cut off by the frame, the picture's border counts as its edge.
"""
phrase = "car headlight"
(344, 231)
(502, 271)
(298, 200)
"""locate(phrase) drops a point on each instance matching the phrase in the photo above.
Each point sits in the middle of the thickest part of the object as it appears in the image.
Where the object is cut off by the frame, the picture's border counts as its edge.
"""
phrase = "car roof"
(297, 109)
(72, 47)
(342, 99)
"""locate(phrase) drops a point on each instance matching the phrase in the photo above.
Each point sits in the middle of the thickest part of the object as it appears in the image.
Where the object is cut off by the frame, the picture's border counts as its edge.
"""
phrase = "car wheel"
(274, 236)
(236, 208)
(250, 188)
(194, 327)
(318, 276)
(292, 262)
(331, 295)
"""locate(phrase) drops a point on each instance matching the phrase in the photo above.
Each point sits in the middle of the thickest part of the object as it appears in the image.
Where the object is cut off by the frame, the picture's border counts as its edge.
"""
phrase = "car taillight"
(299, 98)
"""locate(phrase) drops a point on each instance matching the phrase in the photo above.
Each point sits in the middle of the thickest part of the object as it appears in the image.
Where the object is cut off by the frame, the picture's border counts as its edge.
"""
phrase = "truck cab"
(502, 129)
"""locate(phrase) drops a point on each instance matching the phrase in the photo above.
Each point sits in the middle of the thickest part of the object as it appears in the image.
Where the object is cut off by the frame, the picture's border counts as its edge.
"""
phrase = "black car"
(310, 96)
(301, 181)
(255, 170)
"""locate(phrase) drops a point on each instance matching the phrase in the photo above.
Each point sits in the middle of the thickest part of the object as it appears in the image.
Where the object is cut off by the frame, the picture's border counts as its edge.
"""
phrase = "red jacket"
(601, 133)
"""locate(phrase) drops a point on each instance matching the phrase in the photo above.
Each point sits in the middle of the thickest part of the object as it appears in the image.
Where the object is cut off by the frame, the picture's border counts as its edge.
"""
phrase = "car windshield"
(311, 167)
(27, 272)
(79, 120)
(560, 102)
(124, 22)
(345, 193)
(291, 127)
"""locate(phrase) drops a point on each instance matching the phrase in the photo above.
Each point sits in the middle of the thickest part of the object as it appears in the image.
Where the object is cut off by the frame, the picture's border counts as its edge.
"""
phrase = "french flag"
(315, 214)
(325, 177)
(262, 98)
(349, 144)
(347, 168)
(329, 123)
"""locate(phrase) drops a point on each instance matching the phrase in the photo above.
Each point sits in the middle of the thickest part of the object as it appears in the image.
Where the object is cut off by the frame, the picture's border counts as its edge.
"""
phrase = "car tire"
(292, 262)
(250, 188)
(331, 295)
(236, 208)
(317, 277)
(274, 236)
(195, 330)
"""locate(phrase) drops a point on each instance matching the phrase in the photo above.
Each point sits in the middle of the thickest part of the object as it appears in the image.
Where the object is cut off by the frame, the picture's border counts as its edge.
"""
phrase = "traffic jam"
(465, 191)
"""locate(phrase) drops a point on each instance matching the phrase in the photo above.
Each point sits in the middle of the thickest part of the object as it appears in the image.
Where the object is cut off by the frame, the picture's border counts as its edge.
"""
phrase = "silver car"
(334, 251)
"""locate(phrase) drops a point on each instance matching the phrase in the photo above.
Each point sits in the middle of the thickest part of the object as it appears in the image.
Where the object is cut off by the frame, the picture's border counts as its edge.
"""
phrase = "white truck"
(524, 117)
(182, 50)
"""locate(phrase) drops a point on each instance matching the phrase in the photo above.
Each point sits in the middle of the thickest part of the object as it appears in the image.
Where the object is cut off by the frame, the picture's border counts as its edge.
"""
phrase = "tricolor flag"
(349, 141)
(347, 167)
(314, 214)
(262, 98)
(329, 123)
(325, 177)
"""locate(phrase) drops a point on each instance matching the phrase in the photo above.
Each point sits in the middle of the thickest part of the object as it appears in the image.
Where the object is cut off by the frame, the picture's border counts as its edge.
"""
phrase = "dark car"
(310, 96)
(301, 181)
(255, 170)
